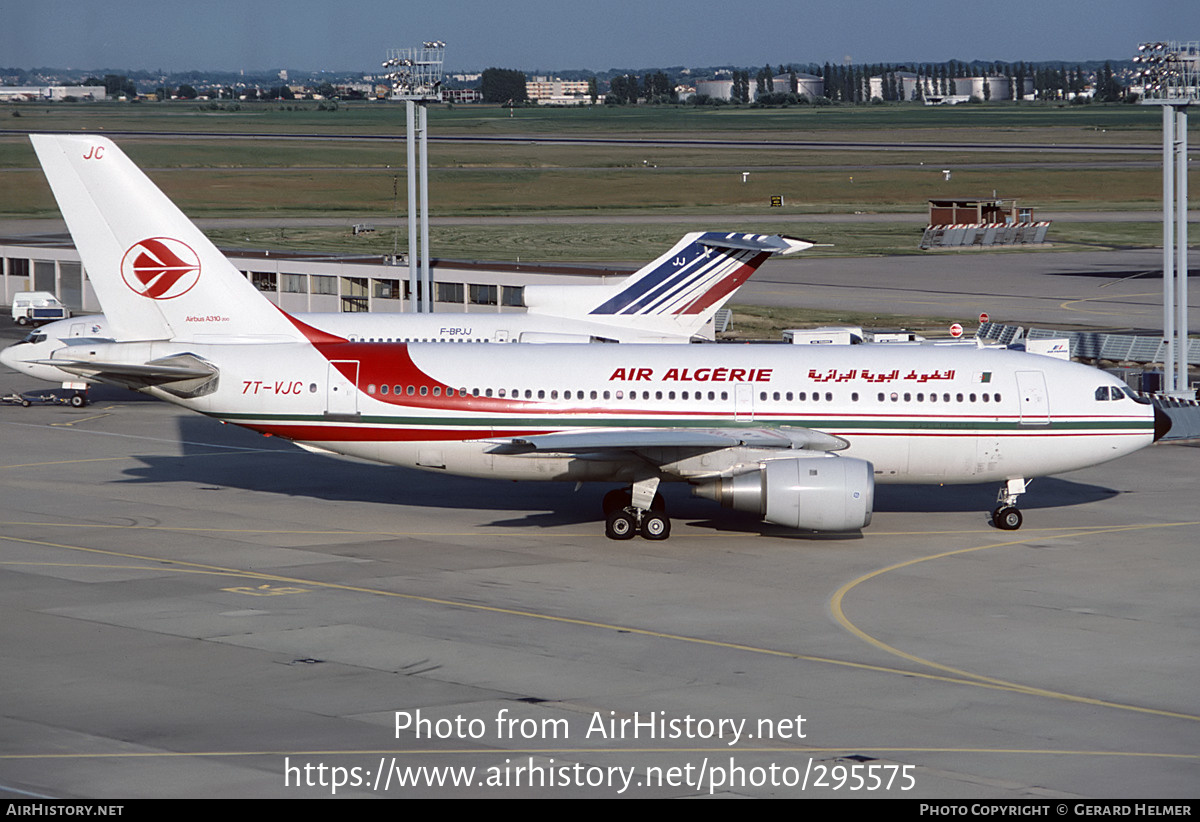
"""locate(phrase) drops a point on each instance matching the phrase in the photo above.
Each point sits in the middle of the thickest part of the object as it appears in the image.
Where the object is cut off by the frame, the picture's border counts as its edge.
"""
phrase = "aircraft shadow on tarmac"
(286, 470)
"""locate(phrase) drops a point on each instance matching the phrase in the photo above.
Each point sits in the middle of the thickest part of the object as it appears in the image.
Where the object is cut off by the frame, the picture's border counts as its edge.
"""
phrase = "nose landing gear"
(1007, 517)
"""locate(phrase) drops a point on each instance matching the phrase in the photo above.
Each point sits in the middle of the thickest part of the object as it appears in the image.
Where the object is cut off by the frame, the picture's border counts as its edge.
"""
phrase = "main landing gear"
(1007, 517)
(638, 509)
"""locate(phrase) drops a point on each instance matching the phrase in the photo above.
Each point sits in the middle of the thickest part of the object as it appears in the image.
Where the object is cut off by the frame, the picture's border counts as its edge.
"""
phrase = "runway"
(191, 610)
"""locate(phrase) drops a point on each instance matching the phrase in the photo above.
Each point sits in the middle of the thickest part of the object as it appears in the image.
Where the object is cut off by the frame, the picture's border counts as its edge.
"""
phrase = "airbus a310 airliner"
(798, 435)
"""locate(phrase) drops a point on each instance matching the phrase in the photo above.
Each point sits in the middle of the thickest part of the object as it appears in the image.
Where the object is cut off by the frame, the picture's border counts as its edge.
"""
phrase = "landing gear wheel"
(1007, 518)
(78, 400)
(656, 525)
(620, 524)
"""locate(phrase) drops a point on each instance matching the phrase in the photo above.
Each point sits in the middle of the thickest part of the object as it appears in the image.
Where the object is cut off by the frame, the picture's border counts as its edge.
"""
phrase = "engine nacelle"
(816, 494)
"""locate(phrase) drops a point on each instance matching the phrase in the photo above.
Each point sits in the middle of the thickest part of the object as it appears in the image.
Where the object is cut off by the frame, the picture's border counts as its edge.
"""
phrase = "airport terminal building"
(310, 282)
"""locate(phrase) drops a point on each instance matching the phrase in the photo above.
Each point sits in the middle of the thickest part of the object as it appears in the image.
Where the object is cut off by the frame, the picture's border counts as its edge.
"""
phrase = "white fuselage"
(921, 414)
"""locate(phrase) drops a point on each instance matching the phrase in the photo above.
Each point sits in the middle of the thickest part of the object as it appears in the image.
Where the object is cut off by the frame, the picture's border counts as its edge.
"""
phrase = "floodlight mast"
(1170, 76)
(416, 76)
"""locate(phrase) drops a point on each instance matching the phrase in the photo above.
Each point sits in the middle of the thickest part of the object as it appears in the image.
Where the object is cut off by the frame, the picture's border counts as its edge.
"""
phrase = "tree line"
(850, 83)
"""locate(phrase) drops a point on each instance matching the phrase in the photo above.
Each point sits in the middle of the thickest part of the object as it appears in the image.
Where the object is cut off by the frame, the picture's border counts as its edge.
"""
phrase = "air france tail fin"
(677, 293)
(156, 275)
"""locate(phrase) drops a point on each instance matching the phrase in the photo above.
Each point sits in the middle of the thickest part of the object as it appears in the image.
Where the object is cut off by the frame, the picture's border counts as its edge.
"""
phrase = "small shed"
(977, 210)
(980, 222)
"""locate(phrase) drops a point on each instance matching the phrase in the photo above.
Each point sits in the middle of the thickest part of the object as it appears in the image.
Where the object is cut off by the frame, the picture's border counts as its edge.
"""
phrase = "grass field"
(640, 242)
(365, 181)
(999, 121)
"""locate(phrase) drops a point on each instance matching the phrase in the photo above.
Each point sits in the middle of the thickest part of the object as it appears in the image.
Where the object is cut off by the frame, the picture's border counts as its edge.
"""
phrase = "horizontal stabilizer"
(770, 243)
(184, 375)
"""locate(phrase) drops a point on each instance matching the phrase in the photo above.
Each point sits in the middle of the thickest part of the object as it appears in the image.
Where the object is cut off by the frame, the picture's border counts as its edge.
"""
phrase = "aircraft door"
(1033, 397)
(743, 402)
(500, 336)
(341, 391)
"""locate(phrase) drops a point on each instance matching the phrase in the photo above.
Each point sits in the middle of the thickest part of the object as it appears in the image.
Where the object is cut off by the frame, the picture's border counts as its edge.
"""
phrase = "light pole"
(1170, 75)
(416, 76)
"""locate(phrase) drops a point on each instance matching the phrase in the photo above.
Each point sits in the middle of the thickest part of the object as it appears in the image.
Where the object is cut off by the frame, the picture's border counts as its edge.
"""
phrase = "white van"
(37, 307)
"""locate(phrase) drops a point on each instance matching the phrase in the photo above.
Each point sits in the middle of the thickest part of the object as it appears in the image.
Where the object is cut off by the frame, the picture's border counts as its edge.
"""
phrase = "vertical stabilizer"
(156, 275)
(678, 292)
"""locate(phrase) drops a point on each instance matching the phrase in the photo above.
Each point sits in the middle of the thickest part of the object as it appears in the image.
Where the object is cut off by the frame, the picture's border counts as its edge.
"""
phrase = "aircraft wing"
(703, 439)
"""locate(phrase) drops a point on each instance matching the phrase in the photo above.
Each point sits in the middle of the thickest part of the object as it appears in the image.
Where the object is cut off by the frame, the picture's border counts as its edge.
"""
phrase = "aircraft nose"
(7, 357)
(1162, 423)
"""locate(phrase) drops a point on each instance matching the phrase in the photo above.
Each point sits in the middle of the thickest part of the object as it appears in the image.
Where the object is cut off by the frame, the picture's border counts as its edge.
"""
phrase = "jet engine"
(817, 493)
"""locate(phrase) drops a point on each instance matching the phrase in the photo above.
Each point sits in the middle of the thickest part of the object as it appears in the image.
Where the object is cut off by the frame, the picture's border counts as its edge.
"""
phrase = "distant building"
(906, 85)
(716, 89)
(52, 92)
(554, 91)
(962, 89)
(462, 95)
(808, 85)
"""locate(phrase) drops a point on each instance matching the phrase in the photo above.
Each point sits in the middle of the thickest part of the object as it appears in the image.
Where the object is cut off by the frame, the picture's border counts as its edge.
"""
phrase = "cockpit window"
(34, 337)
(1102, 393)
(1129, 392)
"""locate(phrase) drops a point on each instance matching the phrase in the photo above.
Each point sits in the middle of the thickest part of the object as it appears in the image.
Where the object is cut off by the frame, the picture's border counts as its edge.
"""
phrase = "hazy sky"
(560, 34)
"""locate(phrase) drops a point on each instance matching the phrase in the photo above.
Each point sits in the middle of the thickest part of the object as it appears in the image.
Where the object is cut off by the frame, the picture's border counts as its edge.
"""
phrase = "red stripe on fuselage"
(365, 433)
